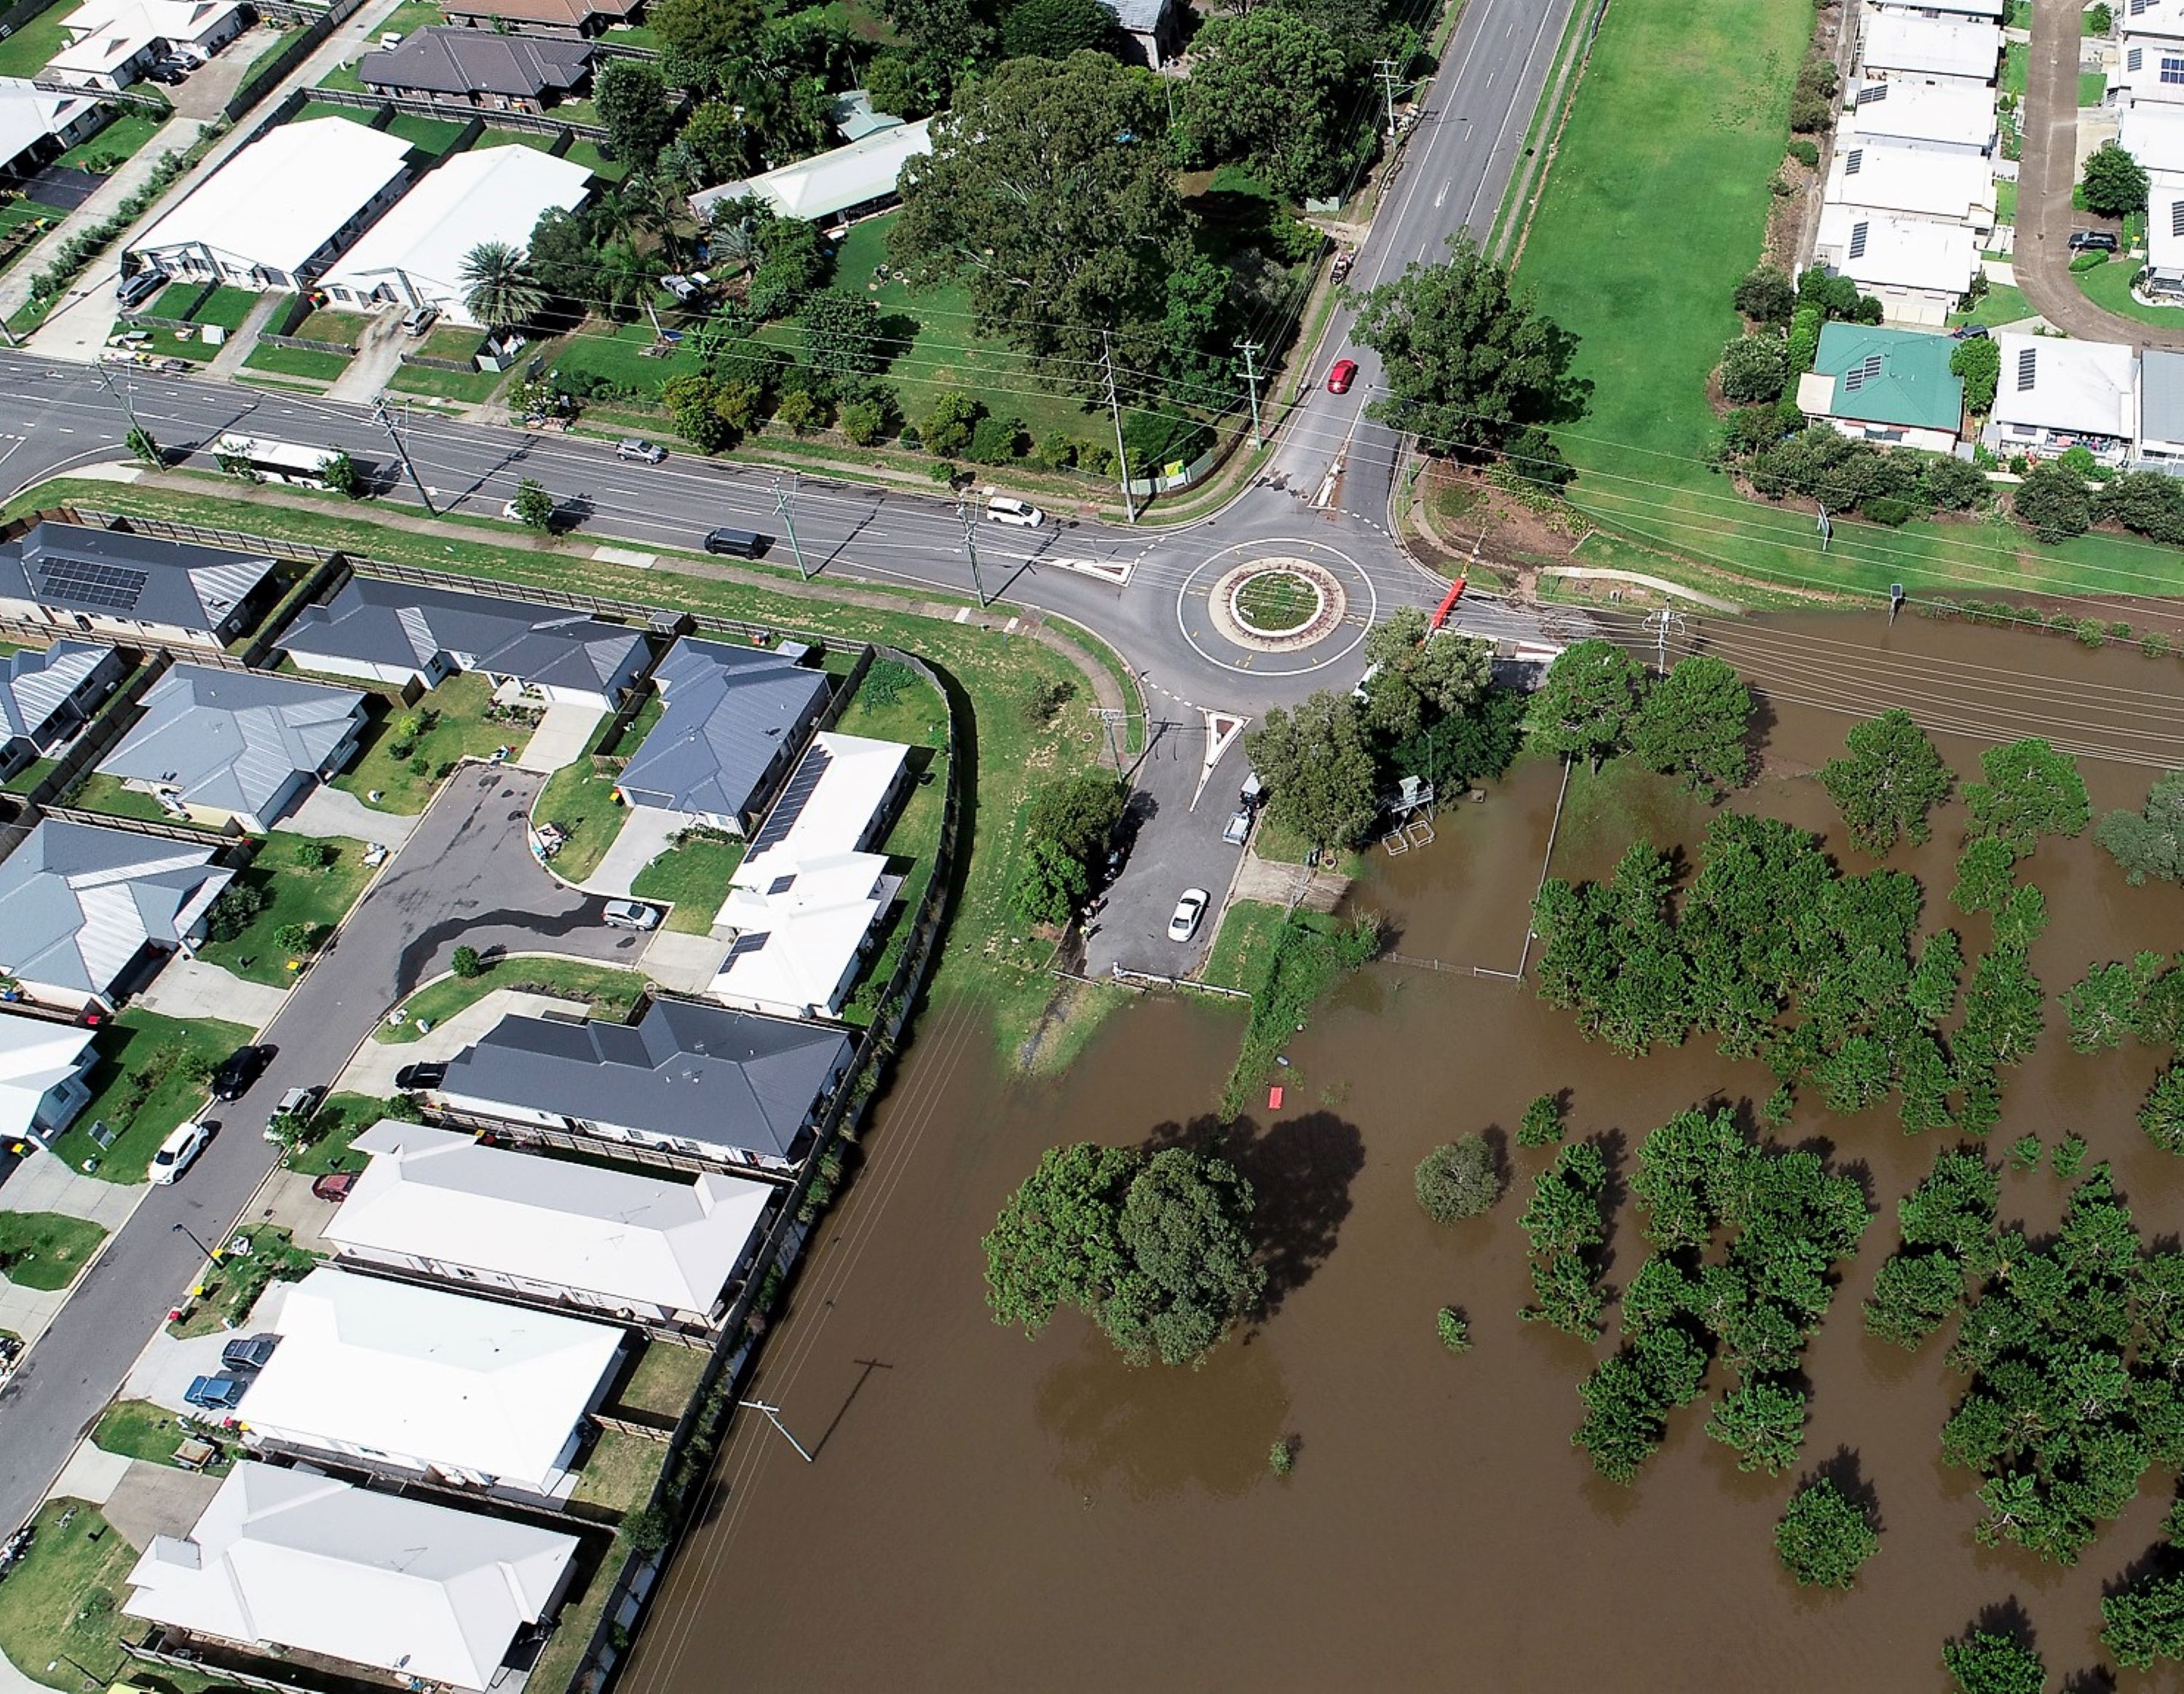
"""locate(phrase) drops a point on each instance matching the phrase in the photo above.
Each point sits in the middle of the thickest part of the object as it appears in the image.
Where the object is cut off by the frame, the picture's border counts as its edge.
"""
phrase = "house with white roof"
(294, 1561)
(1953, 116)
(88, 914)
(2164, 234)
(36, 124)
(1990, 9)
(43, 1067)
(2160, 440)
(2055, 394)
(1917, 269)
(433, 1202)
(846, 182)
(469, 1392)
(278, 212)
(46, 696)
(2150, 56)
(111, 42)
(2153, 133)
(1933, 183)
(214, 746)
(807, 901)
(1900, 45)
(414, 256)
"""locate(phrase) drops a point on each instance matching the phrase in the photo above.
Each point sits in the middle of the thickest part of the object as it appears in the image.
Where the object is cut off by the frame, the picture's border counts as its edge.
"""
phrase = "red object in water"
(1447, 605)
(1274, 1100)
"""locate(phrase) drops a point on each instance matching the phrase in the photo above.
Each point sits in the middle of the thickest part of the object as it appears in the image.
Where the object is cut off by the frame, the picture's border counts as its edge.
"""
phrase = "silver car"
(629, 914)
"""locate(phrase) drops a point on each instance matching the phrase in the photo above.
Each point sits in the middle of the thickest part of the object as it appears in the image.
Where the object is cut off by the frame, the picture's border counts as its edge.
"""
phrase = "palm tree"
(497, 286)
(626, 278)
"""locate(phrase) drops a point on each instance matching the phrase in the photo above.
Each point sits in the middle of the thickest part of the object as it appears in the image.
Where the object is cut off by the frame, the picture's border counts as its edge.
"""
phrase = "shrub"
(1455, 1333)
(996, 440)
(1891, 511)
(1805, 150)
(2052, 504)
(232, 913)
(1766, 295)
(1459, 1180)
(2093, 259)
(1281, 1457)
(948, 425)
(466, 963)
(1755, 367)
(863, 422)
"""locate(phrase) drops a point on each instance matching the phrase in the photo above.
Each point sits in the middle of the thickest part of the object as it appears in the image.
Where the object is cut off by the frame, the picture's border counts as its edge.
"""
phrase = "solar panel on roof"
(1858, 240)
(794, 799)
(91, 583)
(746, 944)
(2024, 359)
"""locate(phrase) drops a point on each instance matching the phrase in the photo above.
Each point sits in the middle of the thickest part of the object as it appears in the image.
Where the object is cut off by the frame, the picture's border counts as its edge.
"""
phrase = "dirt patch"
(1461, 522)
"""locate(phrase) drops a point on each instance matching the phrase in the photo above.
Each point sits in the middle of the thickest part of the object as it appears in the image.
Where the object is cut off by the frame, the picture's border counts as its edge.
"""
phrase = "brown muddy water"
(989, 1512)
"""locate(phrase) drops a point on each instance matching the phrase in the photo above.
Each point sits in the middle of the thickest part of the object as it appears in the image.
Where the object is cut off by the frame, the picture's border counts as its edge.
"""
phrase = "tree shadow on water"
(1300, 1171)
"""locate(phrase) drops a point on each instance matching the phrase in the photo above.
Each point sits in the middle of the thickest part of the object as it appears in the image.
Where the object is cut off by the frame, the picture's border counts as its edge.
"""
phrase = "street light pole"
(1251, 382)
(1114, 406)
(185, 1230)
(773, 1416)
(971, 547)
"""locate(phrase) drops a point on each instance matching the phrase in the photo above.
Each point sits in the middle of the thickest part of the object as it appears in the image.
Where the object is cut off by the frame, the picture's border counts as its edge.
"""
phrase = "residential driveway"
(190, 988)
(378, 356)
(328, 812)
(42, 1183)
(644, 838)
(372, 1070)
(158, 1500)
(684, 964)
(2045, 175)
(561, 738)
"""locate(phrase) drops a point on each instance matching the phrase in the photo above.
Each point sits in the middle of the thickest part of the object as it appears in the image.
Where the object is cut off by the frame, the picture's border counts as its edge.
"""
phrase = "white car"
(1187, 910)
(178, 1152)
(1016, 514)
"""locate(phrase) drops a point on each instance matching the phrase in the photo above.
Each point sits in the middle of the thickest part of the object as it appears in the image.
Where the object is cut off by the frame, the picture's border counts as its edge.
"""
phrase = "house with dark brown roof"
(573, 20)
(480, 68)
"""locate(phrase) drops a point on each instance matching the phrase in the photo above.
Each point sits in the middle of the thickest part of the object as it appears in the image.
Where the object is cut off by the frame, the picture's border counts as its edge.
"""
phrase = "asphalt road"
(465, 875)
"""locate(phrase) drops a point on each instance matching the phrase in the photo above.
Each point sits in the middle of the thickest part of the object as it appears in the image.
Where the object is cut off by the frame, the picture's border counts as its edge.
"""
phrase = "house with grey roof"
(481, 67)
(130, 588)
(386, 632)
(735, 719)
(88, 914)
(2159, 444)
(48, 695)
(1154, 27)
(213, 745)
(731, 1087)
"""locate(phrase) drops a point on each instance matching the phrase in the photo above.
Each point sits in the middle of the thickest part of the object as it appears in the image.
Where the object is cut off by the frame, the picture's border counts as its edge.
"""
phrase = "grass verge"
(150, 1075)
(232, 1286)
(1248, 931)
(65, 1597)
(610, 992)
(45, 1249)
(1306, 957)
(138, 1430)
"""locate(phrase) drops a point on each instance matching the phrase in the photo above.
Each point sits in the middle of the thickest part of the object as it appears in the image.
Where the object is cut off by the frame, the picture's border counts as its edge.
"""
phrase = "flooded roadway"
(988, 1512)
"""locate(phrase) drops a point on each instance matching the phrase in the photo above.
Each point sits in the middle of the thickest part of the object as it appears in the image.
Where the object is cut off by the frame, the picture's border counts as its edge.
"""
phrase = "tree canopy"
(1984, 1662)
(2030, 790)
(2148, 842)
(1824, 1536)
(1050, 195)
(497, 286)
(1415, 677)
(1583, 708)
(1890, 784)
(1067, 832)
(632, 98)
(1691, 724)
(1153, 1247)
(1466, 361)
(1459, 1180)
(1270, 90)
(2115, 183)
(1318, 769)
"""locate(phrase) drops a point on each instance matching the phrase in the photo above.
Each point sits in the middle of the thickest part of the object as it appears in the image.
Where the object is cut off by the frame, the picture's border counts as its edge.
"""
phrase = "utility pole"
(1660, 621)
(1115, 408)
(1385, 69)
(970, 546)
(385, 419)
(1251, 380)
(784, 502)
(128, 404)
(1114, 748)
(773, 1416)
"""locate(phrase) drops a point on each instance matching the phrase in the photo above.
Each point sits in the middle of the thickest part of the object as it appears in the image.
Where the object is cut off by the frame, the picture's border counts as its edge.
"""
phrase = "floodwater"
(990, 1512)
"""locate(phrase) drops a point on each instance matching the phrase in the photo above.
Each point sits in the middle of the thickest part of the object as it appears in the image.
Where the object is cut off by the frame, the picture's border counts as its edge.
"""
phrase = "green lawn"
(1679, 124)
(300, 893)
(296, 361)
(2093, 85)
(45, 1249)
(266, 54)
(471, 388)
(65, 1597)
(434, 137)
(118, 141)
(452, 341)
(580, 796)
(2002, 304)
(2016, 57)
(24, 52)
(341, 1119)
(139, 1430)
(665, 1377)
(612, 992)
(344, 77)
(2109, 285)
(694, 878)
(99, 792)
(142, 1086)
(620, 1470)
(556, 1666)
(2005, 202)
(588, 154)
(456, 723)
(232, 1286)
(1239, 958)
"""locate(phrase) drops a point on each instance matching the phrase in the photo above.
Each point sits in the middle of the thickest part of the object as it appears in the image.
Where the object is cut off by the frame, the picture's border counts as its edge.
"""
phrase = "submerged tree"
(1318, 769)
(1890, 784)
(1583, 708)
(2029, 790)
(1459, 1180)
(2149, 841)
(1692, 723)
(1824, 1537)
(1984, 1662)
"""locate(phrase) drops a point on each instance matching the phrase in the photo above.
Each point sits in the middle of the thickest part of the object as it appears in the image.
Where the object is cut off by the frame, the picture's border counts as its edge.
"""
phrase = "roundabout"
(1252, 606)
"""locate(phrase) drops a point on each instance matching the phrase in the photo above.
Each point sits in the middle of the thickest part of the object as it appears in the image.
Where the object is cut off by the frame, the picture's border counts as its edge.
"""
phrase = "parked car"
(298, 1102)
(1969, 332)
(1240, 827)
(641, 452)
(214, 1393)
(425, 1074)
(629, 914)
(232, 1080)
(248, 1352)
(166, 71)
(418, 319)
(134, 291)
(1016, 514)
(390, 38)
(1342, 374)
(737, 543)
(178, 1151)
(334, 1186)
(2094, 241)
(1187, 910)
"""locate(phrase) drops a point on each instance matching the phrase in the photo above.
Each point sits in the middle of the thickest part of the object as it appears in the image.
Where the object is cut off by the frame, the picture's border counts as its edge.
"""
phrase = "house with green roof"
(1890, 386)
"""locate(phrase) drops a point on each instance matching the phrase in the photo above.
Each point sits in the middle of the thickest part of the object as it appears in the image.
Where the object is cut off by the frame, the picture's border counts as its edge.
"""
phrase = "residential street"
(466, 877)
(2045, 175)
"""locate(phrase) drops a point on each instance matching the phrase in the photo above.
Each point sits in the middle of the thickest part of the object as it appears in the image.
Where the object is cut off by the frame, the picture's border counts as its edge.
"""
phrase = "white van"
(1017, 514)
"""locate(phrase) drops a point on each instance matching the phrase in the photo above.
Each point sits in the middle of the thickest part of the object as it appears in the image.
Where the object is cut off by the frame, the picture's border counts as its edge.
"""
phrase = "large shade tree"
(1268, 90)
(1318, 765)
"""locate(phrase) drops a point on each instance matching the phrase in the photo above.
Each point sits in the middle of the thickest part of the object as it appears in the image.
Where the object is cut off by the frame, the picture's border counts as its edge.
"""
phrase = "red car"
(335, 1185)
(1341, 375)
